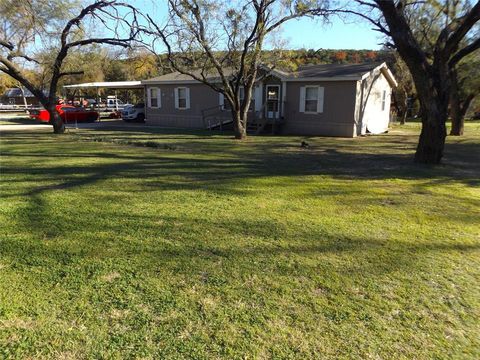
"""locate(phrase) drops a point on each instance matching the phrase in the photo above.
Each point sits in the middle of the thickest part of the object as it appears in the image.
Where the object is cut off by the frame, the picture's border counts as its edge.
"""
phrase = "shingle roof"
(333, 70)
(211, 75)
(323, 71)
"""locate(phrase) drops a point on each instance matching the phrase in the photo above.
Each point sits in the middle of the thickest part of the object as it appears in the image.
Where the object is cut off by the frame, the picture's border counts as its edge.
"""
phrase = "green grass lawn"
(197, 246)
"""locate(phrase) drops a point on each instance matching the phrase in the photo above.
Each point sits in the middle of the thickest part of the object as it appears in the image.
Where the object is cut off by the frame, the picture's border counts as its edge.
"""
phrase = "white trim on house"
(320, 99)
(108, 84)
(302, 99)
(388, 74)
(383, 68)
(177, 98)
(158, 97)
(175, 82)
(273, 114)
(284, 98)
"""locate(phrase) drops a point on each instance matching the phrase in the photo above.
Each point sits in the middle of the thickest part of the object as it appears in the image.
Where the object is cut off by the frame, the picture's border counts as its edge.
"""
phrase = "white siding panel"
(374, 119)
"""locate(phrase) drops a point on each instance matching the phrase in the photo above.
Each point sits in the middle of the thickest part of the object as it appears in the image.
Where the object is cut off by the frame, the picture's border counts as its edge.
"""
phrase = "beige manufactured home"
(328, 100)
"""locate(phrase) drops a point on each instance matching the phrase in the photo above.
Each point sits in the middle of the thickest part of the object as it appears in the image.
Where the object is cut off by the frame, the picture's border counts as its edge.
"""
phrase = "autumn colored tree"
(371, 55)
(340, 56)
(355, 58)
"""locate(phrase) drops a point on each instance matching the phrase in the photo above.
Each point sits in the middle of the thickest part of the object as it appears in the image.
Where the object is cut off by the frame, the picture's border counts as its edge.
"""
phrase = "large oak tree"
(430, 70)
(29, 27)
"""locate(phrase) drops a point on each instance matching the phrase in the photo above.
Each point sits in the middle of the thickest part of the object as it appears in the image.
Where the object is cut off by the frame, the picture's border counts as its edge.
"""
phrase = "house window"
(226, 103)
(384, 99)
(154, 97)
(311, 99)
(182, 98)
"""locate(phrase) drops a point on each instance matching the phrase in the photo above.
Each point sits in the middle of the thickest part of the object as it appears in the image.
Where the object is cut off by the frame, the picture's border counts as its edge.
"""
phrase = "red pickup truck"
(68, 113)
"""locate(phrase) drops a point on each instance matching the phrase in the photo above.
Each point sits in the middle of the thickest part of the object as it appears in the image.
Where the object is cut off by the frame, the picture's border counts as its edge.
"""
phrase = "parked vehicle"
(134, 113)
(68, 113)
(113, 103)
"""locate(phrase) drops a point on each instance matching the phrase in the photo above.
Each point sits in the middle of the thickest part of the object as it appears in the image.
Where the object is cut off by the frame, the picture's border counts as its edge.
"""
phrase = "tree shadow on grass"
(220, 167)
(271, 244)
(24, 120)
(224, 170)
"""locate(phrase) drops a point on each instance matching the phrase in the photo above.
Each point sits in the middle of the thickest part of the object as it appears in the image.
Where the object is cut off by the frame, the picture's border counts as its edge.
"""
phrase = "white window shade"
(312, 99)
(320, 101)
(154, 98)
(182, 98)
(302, 99)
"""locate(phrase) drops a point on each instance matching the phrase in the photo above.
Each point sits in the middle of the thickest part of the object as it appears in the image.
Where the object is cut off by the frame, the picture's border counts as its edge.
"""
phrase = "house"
(14, 96)
(329, 100)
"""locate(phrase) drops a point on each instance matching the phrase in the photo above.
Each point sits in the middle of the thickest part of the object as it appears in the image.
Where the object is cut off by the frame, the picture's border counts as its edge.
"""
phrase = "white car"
(115, 104)
(134, 113)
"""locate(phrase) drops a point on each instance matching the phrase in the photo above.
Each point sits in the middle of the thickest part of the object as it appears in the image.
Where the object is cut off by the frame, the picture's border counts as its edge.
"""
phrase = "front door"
(273, 101)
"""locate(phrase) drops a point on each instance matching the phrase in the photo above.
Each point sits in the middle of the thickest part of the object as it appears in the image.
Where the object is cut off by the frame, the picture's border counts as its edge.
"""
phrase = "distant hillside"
(142, 66)
(295, 58)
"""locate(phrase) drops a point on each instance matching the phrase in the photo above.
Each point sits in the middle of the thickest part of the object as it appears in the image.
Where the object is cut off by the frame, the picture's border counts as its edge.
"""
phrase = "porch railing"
(214, 116)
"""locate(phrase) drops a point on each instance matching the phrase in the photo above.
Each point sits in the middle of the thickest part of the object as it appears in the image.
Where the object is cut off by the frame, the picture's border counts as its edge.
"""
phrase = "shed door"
(273, 101)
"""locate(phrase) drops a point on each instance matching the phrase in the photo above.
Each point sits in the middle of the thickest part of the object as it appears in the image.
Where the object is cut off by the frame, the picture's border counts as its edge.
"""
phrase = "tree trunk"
(56, 120)
(403, 117)
(458, 111)
(239, 127)
(433, 86)
(455, 106)
(458, 122)
(432, 137)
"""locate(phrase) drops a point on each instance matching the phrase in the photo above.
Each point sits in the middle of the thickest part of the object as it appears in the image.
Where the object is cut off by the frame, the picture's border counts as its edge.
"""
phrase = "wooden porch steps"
(263, 126)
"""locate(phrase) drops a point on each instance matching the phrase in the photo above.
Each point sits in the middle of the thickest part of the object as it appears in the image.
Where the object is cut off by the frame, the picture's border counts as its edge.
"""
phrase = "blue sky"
(306, 32)
(310, 34)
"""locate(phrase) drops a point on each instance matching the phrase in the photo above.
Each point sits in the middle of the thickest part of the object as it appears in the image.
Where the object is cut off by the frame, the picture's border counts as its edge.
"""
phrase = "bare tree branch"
(475, 45)
(107, 12)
